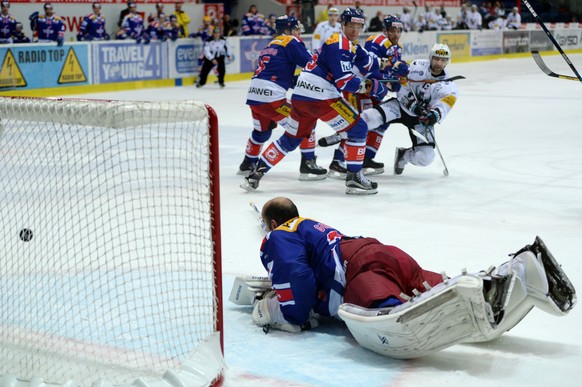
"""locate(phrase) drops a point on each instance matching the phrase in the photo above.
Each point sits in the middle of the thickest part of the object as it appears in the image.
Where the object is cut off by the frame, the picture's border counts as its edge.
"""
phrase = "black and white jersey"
(216, 48)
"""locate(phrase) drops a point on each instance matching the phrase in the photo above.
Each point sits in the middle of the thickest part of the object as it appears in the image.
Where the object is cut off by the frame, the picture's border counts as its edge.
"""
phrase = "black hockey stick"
(455, 78)
(540, 62)
(552, 39)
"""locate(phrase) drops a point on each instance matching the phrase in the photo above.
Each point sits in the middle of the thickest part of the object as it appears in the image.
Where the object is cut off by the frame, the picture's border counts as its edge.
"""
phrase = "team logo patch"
(346, 66)
(450, 100)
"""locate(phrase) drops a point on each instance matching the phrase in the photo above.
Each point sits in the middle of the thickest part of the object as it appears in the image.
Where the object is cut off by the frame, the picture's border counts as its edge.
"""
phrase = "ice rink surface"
(512, 145)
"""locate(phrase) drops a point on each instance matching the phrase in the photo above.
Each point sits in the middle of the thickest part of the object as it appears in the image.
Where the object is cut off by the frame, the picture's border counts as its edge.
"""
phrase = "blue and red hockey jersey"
(303, 259)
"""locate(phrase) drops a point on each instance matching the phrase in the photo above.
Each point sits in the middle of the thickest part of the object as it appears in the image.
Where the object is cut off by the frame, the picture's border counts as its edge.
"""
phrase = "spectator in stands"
(253, 22)
(325, 29)
(419, 24)
(474, 19)
(229, 25)
(19, 36)
(446, 23)
(93, 26)
(50, 27)
(205, 30)
(172, 28)
(406, 19)
(182, 18)
(156, 14)
(322, 16)
(155, 29)
(270, 25)
(124, 13)
(7, 24)
(376, 23)
(461, 23)
(215, 50)
(431, 18)
(514, 19)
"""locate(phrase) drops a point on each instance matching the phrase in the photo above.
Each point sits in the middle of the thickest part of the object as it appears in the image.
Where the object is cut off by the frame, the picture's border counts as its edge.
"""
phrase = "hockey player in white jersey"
(425, 100)
(326, 29)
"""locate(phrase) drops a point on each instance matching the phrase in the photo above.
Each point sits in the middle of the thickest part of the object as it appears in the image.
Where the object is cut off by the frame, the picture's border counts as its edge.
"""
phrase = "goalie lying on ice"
(389, 303)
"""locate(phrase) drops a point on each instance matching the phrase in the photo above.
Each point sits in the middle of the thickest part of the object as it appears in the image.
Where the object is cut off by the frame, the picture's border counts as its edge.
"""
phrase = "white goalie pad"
(246, 290)
(451, 312)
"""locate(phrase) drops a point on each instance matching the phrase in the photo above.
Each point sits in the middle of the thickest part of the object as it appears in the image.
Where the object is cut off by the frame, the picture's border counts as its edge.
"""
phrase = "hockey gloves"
(60, 41)
(430, 118)
(376, 89)
(400, 69)
(267, 314)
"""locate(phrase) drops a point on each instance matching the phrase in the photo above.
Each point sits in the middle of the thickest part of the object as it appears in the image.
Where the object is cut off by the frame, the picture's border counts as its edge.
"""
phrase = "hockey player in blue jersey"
(93, 26)
(317, 95)
(132, 26)
(389, 303)
(274, 75)
(253, 22)
(385, 46)
(7, 24)
(49, 27)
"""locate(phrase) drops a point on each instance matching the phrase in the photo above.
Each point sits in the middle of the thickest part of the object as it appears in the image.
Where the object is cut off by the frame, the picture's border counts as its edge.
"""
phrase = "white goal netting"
(107, 224)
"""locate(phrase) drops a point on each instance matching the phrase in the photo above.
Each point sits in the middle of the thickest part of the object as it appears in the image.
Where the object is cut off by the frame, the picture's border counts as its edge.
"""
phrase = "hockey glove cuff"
(430, 118)
(377, 89)
(267, 314)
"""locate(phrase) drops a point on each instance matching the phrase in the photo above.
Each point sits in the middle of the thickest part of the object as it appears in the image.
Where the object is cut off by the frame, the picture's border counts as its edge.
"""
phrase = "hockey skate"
(371, 167)
(357, 184)
(398, 161)
(309, 170)
(337, 171)
(246, 167)
(252, 180)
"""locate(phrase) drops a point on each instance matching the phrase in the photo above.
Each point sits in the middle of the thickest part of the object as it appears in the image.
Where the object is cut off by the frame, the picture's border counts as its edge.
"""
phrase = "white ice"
(512, 146)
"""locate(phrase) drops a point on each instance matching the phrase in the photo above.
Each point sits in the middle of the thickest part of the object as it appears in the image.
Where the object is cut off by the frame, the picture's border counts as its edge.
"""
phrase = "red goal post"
(110, 227)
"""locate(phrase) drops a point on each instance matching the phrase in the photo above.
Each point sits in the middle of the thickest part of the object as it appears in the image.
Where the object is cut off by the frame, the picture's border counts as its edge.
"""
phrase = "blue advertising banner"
(250, 49)
(128, 61)
(43, 66)
(186, 57)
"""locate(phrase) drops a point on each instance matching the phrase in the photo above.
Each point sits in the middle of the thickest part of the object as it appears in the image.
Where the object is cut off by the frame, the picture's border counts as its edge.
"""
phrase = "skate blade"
(311, 177)
(247, 187)
(372, 171)
(336, 175)
(359, 191)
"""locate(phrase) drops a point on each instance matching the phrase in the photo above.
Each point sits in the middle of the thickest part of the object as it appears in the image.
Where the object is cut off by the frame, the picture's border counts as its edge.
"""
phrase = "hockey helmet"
(285, 22)
(440, 50)
(353, 15)
(393, 21)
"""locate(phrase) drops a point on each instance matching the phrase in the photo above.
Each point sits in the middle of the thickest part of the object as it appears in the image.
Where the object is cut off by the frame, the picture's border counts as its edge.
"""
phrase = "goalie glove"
(267, 314)
(430, 118)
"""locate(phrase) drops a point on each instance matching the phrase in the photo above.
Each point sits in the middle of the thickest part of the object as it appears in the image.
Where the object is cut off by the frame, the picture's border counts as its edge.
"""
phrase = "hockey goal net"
(110, 244)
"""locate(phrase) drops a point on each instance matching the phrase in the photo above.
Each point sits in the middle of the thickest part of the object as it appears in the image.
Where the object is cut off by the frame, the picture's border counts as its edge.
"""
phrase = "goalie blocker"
(466, 309)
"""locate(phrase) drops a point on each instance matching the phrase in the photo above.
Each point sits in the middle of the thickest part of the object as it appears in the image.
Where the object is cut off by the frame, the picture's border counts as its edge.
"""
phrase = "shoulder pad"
(282, 40)
(334, 38)
(57, 18)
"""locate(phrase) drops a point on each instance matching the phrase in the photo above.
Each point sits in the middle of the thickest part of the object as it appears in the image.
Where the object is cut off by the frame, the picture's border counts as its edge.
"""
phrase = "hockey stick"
(455, 78)
(540, 62)
(258, 216)
(552, 39)
(446, 170)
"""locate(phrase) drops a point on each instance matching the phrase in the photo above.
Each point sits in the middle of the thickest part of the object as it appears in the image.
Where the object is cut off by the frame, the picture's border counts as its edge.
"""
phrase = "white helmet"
(440, 51)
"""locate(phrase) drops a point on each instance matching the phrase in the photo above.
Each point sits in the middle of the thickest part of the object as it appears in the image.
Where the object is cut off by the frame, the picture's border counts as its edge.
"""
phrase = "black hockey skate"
(246, 167)
(337, 171)
(398, 155)
(252, 180)
(358, 184)
(309, 170)
(371, 167)
(561, 290)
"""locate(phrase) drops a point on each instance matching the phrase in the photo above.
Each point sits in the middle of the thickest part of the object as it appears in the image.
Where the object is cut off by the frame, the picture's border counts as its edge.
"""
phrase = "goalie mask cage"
(110, 244)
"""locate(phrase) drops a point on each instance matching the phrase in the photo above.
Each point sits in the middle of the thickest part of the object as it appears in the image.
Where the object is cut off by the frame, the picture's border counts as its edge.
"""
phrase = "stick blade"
(542, 65)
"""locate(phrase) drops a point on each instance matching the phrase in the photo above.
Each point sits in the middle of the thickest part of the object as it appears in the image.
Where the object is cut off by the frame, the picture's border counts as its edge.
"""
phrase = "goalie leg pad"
(449, 313)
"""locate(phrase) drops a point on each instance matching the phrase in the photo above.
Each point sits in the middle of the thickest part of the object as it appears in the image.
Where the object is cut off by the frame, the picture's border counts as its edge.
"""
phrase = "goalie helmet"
(353, 15)
(440, 51)
(287, 23)
(393, 21)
